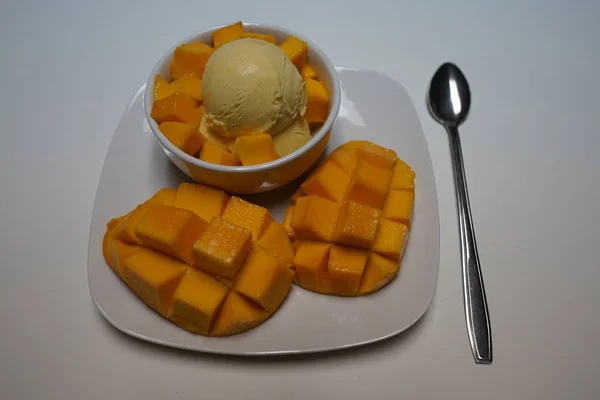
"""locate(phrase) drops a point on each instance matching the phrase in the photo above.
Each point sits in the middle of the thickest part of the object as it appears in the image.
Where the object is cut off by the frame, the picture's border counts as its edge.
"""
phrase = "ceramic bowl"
(262, 177)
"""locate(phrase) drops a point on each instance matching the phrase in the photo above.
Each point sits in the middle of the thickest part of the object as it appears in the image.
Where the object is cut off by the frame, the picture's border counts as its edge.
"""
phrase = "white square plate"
(374, 107)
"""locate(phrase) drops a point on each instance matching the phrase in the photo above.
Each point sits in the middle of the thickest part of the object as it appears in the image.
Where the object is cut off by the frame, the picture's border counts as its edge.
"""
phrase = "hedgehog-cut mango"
(350, 220)
(212, 264)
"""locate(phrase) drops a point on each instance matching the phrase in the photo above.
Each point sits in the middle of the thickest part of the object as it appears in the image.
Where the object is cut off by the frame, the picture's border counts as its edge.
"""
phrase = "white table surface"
(531, 151)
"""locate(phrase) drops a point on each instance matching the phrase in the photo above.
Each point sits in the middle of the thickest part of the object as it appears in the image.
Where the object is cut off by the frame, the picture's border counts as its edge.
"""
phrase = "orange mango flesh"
(274, 240)
(237, 315)
(263, 279)
(185, 137)
(368, 184)
(162, 88)
(345, 267)
(255, 149)
(357, 225)
(169, 230)
(379, 271)
(237, 261)
(222, 248)
(308, 71)
(350, 220)
(311, 261)
(196, 301)
(227, 34)
(107, 244)
(398, 206)
(247, 215)
(204, 201)
(328, 181)
(163, 197)
(314, 218)
(190, 59)
(317, 101)
(215, 154)
(153, 277)
(188, 85)
(296, 50)
(176, 108)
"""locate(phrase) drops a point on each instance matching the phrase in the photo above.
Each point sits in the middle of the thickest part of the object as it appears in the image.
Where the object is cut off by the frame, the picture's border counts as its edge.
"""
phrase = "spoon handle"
(476, 309)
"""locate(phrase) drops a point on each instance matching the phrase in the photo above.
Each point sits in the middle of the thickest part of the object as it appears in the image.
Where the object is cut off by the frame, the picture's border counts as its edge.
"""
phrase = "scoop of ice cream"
(291, 138)
(250, 86)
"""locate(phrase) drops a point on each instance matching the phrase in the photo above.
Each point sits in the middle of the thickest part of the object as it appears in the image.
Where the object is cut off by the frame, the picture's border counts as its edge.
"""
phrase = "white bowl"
(255, 178)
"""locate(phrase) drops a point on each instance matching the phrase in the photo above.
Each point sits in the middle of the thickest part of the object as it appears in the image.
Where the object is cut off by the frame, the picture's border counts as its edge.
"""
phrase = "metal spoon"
(449, 103)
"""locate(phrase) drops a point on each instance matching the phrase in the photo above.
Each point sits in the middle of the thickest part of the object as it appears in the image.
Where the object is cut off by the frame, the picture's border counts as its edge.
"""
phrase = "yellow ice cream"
(291, 138)
(250, 86)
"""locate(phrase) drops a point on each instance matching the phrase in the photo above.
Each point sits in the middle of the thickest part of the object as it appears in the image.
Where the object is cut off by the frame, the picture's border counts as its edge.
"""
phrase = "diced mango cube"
(314, 218)
(214, 154)
(125, 232)
(308, 71)
(188, 85)
(368, 184)
(255, 149)
(172, 231)
(275, 240)
(260, 36)
(346, 266)
(121, 251)
(296, 50)
(227, 34)
(379, 271)
(196, 301)
(164, 197)
(398, 206)
(356, 144)
(190, 58)
(162, 88)
(205, 201)
(177, 108)
(378, 156)
(346, 158)
(297, 194)
(264, 280)
(177, 69)
(287, 219)
(328, 181)
(317, 101)
(356, 225)
(237, 315)
(185, 137)
(153, 277)
(222, 248)
(403, 180)
(107, 240)
(311, 266)
(390, 239)
(247, 215)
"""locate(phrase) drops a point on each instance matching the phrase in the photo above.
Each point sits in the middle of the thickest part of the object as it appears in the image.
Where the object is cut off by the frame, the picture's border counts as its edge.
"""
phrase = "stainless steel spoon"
(449, 103)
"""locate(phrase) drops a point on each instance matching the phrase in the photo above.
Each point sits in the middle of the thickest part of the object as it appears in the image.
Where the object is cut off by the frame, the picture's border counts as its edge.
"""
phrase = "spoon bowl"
(449, 95)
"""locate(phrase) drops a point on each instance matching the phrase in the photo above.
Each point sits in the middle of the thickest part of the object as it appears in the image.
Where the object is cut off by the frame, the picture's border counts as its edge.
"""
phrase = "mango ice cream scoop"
(249, 87)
